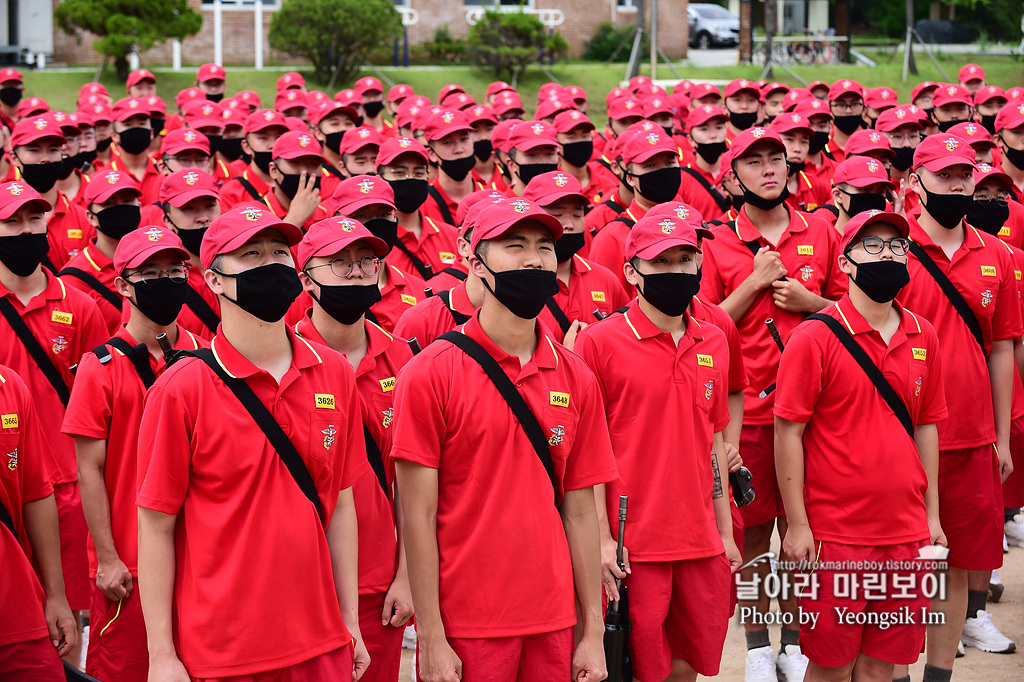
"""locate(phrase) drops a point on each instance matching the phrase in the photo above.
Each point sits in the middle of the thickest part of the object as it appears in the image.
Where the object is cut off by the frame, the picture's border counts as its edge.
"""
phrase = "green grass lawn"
(60, 88)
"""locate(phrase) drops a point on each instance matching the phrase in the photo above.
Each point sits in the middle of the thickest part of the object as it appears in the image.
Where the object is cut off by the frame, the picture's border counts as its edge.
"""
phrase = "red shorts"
(678, 610)
(383, 642)
(971, 507)
(546, 656)
(35, 661)
(870, 602)
(757, 445)
(117, 638)
(1013, 488)
(334, 665)
(74, 558)
(737, 536)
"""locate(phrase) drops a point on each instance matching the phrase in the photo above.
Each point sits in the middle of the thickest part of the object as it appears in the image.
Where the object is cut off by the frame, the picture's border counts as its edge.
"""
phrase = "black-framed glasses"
(342, 267)
(875, 245)
(176, 273)
(1000, 201)
(848, 107)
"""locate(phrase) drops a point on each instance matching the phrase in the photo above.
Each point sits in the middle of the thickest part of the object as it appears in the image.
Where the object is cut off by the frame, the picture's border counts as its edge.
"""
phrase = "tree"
(333, 34)
(125, 26)
(508, 42)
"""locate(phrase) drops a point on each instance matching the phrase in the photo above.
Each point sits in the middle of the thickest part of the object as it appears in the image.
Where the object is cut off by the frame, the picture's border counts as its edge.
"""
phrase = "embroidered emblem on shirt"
(986, 298)
(917, 391)
(709, 389)
(59, 344)
(389, 415)
(329, 434)
(12, 460)
(557, 435)
(806, 272)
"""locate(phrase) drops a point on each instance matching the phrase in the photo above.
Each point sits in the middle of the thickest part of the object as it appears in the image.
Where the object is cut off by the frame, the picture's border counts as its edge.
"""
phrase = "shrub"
(506, 42)
(608, 37)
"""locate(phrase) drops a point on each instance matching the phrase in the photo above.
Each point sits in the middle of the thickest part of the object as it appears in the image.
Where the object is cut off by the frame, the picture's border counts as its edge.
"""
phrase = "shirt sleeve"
(591, 461)
(40, 467)
(420, 428)
(91, 405)
(712, 289)
(933, 403)
(165, 453)
(799, 380)
(1006, 323)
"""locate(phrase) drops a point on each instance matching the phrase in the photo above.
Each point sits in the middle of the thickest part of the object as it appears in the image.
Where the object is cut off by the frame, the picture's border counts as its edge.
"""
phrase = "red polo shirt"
(26, 469)
(107, 404)
(244, 525)
(821, 176)
(983, 272)
(664, 463)
(432, 209)
(609, 247)
(149, 182)
(187, 319)
(445, 281)
(871, 494)
(234, 194)
(79, 198)
(434, 247)
(497, 182)
(270, 199)
(400, 294)
(330, 178)
(95, 263)
(603, 213)
(810, 193)
(68, 230)
(1013, 231)
(430, 318)
(810, 249)
(591, 286)
(495, 503)
(693, 193)
(375, 381)
(837, 152)
(709, 312)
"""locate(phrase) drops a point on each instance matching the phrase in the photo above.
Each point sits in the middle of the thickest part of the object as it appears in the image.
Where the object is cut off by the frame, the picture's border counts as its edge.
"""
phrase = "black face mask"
(987, 122)
(757, 201)
(523, 292)
(333, 140)
(569, 244)
(371, 109)
(192, 239)
(669, 130)
(904, 158)
(944, 126)
(795, 167)
(850, 123)
(157, 124)
(266, 292)
(231, 148)
(988, 216)
(931, 113)
(86, 158)
(103, 145)
(881, 280)
(482, 149)
(215, 98)
(117, 221)
(578, 153)
(737, 201)
(669, 292)
(863, 202)
(458, 169)
(262, 161)
(135, 140)
(289, 184)
(947, 209)
(347, 304)
(216, 142)
(22, 253)
(528, 171)
(11, 96)
(1014, 156)
(661, 185)
(742, 121)
(819, 138)
(409, 194)
(383, 229)
(160, 300)
(68, 165)
(41, 176)
(711, 151)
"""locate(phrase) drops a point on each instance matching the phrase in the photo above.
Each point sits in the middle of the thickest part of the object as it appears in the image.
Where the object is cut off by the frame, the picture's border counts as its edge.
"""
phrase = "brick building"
(575, 19)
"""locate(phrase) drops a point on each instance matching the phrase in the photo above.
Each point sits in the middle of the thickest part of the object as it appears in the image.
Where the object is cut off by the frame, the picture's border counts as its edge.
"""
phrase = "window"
(401, 3)
(626, 5)
(242, 4)
(507, 3)
(713, 12)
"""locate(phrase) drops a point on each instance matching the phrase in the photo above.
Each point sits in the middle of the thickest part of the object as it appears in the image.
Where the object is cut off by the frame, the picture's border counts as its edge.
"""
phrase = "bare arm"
(112, 576)
(926, 437)
(720, 499)
(731, 434)
(343, 539)
(579, 518)
(789, 470)
(44, 535)
(1018, 356)
(1000, 368)
(398, 608)
(156, 571)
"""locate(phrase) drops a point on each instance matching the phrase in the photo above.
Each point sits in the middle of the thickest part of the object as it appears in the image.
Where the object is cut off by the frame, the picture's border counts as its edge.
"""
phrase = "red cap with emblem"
(988, 93)
(233, 229)
(970, 72)
(790, 121)
(499, 86)
(975, 134)
(741, 85)
(552, 107)
(289, 80)
(188, 95)
(9, 74)
(32, 106)
(866, 141)
(703, 113)
(35, 128)
(368, 84)
(625, 107)
(751, 136)
(950, 94)
(396, 146)
(844, 86)
(361, 191)
(881, 98)
(444, 123)
(295, 145)
(891, 119)
(262, 119)
(139, 75)
(566, 121)
(203, 114)
(14, 195)
(399, 92)
(852, 229)
(680, 211)
(184, 139)
(652, 235)
(447, 90)
(940, 151)
(479, 112)
(137, 246)
(498, 218)
(501, 136)
(328, 237)
(862, 171)
(813, 107)
(360, 138)
(921, 88)
(1010, 116)
(984, 171)
(506, 102)
(320, 110)
(643, 146)
(106, 184)
(210, 72)
(290, 99)
(186, 184)
(547, 188)
(532, 134)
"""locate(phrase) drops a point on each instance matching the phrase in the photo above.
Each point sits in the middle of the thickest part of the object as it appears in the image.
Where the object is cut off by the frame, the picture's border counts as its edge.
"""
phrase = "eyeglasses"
(342, 267)
(875, 245)
(176, 273)
(419, 173)
(904, 139)
(188, 161)
(1001, 200)
(848, 107)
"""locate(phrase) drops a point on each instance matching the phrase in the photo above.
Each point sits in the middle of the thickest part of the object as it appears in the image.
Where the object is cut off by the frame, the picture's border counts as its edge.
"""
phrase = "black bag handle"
(951, 292)
(888, 393)
(198, 305)
(560, 317)
(722, 202)
(446, 298)
(512, 397)
(139, 355)
(456, 273)
(5, 519)
(28, 340)
(94, 284)
(376, 461)
(441, 204)
(425, 269)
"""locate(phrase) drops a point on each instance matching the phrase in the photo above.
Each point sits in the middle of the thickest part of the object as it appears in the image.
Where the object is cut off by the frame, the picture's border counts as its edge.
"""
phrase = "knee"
(816, 673)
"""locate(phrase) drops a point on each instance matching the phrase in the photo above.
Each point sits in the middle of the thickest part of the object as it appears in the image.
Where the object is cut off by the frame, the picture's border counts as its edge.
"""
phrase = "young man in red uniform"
(114, 211)
(262, 128)
(679, 572)
(133, 134)
(1010, 138)
(330, 122)
(103, 417)
(576, 137)
(533, 149)
(487, 173)
(773, 262)
(706, 126)
(294, 196)
(371, 91)
(861, 184)
(975, 452)
(454, 432)
(64, 324)
(222, 521)
(886, 487)
(38, 626)
(742, 104)
(447, 136)
(846, 102)
(339, 261)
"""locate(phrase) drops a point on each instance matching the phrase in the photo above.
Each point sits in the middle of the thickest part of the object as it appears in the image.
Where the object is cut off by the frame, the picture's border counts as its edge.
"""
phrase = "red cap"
(683, 87)
(506, 102)
(751, 136)
(210, 72)
(862, 171)
(10, 74)
(796, 96)
(550, 108)
(739, 85)
(547, 188)
(295, 145)
(769, 88)
(107, 183)
(1010, 116)
(348, 97)
(445, 122)
(419, 120)
(975, 134)
(99, 113)
(549, 91)
(813, 107)
(155, 104)
(637, 82)
(407, 113)
(501, 136)
(89, 88)
(35, 128)
(262, 119)
(921, 88)
(811, 87)
(940, 151)
(368, 84)
(361, 191)
(657, 105)
(857, 223)
(498, 86)
(866, 141)
(1014, 93)
(249, 97)
(296, 125)
(447, 90)
(457, 100)
(984, 171)
(988, 93)
(399, 92)
(625, 107)
(532, 134)
(89, 100)
(233, 229)
(396, 146)
(642, 147)
(360, 138)
(188, 95)
(472, 200)
(64, 121)
(498, 218)
(677, 210)
(321, 110)
(128, 107)
(185, 184)
(290, 99)
(32, 105)
(330, 236)
(891, 119)
(81, 119)
(577, 93)
(479, 112)
(702, 90)
(14, 195)
(139, 75)
(844, 86)
(950, 94)
(652, 235)
(566, 121)
(137, 246)
(702, 114)
(183, 139)
(790, 121)
(614, 94)
(290, 80)
(234, 117)
(203, 114)
(881, 98)
(970, 72)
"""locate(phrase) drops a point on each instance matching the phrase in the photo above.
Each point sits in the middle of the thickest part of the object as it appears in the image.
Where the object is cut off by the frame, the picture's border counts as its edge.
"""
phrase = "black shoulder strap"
(456, 273)
(446, 298)
(424, 269)
(954, 296)
(754, 246)
(827, 207)
(442, 205)
(514, 399)
(560, 317)
(722, 202)
(198, 305)
(376, 461)
(94, 284)
(628, 222)
(28, 340)
(5, 518)
(889, 394)
(271, 429)
(248, 187)
(611, 203)
(333, 171)
(139, 356)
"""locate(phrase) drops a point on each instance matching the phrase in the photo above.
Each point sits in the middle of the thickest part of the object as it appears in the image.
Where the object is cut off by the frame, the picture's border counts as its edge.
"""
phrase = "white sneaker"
(981, 633)
(995, 588)
(960, 653)
(760, 665)
(790, 665)
(1013, 531)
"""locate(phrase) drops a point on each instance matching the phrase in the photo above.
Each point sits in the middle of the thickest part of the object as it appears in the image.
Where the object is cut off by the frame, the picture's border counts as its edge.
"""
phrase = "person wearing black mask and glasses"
(262, 128)
(846, 102)
(951, 261)
(296, 169)
(1010, 138)
(114, 211)
(861, 184)
(576, 137)
(448, 138)
(133, 134)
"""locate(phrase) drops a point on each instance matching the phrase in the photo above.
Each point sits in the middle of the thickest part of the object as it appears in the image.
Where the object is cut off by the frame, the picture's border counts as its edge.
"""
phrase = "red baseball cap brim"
(328, 237)
(139, 245)
(236, 227)
(498, 218)
(859, 222)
